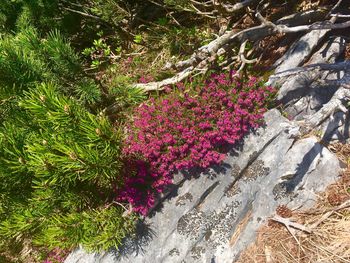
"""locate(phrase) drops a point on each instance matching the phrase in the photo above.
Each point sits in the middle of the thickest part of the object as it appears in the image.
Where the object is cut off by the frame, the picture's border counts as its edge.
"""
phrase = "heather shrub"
(189, 128)
(56, 255)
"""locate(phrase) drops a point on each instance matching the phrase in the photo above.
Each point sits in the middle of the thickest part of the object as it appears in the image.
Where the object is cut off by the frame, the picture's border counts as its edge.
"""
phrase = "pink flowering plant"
(188, 128)
(57, 255)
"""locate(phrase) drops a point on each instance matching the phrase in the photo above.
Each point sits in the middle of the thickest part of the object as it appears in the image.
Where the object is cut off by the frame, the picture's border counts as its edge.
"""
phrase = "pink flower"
(187, 129)
(145, 79)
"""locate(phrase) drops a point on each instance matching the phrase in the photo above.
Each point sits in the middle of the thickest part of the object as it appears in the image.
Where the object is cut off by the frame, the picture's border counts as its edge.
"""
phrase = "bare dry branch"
(288, 223)
(233, 8)
(241, 57)
(316, 26)
(201, 58)
(305, 17)
(330, 108)
(161, 84)
(344, 205)
(340, 16)
(82, 13)
(334, 7)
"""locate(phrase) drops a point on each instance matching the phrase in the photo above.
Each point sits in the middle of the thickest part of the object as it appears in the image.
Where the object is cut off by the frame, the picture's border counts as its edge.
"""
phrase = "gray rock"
(336, 128)
(300, 51)
(300, 84)
(302, 94)
(212, 218)
(310, 103)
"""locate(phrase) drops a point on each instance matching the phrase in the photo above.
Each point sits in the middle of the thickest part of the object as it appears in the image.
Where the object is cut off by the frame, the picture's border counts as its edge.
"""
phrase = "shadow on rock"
(291, 181)
(135, 244)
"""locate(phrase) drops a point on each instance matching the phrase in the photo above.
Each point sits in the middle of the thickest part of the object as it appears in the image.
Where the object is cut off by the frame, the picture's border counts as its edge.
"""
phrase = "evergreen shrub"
(60, 155)
(188, 129)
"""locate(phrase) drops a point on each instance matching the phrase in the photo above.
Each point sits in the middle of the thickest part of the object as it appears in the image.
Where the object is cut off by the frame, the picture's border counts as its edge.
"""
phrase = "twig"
(334, 7)
(205, 4)
(161, 84)
(288, 223)
(82, 13)
(330, 252)
(315, 26)
(174, 19)
(151, 23)
(268, 258)
(340, 16)
(206, 14)
(344, 205)
(242, 58)
(288, 252)
(330, 108)
(201, 57)
(237, 6)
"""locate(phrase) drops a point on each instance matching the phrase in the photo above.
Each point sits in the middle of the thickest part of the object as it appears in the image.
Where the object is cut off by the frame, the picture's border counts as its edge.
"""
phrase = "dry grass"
(330, 223)
(347, 52)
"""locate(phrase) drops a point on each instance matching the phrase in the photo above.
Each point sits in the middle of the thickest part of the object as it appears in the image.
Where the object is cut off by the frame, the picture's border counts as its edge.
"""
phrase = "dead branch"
(315, 26)
(241, 57)
(291, 226)
(340, 16)
(344, 205)
(205, 4)
(82, 13)
(202, 13)
(306, 17)
(216, 6)
(334, 7)
(233, 8)
(211, 48)
(288, 223)
(268, 254)
(161, 84)
(251, 34)
(330, 108)
(201, 58)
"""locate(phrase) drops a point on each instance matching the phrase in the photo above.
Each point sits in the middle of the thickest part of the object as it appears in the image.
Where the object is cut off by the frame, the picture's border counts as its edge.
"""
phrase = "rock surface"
(337, 128)
(305, 93)
(212, 218)
(301, 85)
(300, 51)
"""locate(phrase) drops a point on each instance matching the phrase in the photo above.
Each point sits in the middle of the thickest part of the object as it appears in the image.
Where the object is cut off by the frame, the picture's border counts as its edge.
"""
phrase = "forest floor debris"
(329, 223)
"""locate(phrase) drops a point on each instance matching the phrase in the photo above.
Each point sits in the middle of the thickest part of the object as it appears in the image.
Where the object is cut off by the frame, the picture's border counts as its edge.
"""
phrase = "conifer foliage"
(60, 155)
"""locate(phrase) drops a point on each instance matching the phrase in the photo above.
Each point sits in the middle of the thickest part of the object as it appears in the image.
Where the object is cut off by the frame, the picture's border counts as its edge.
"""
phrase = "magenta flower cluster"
(188, 128)
(57, 255)
(145, 79)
